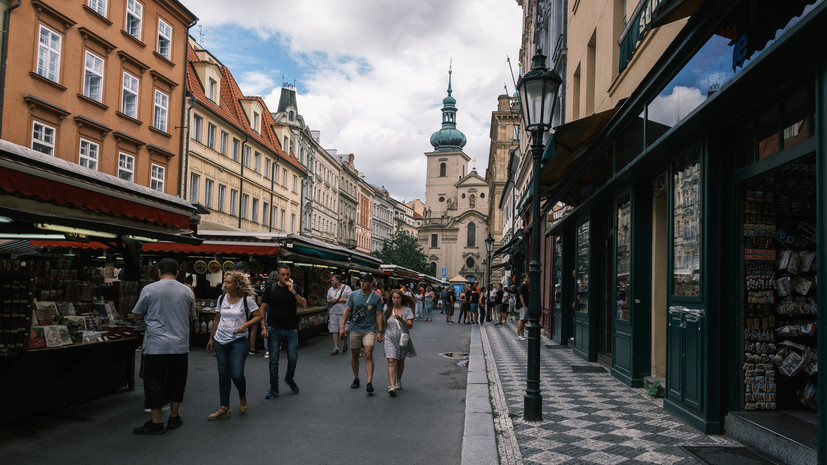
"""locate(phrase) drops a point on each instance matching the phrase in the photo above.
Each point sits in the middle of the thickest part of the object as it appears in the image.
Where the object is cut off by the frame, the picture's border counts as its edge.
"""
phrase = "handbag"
(404, 340)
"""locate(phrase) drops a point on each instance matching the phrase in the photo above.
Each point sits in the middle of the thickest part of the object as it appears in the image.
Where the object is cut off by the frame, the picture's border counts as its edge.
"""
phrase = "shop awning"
(214, 248)
(517, 239)
(500, 265)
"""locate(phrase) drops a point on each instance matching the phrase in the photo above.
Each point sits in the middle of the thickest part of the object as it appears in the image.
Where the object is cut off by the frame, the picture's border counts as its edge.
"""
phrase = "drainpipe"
(273, 174)
(184, 163)
(241, 181)
(5, 53)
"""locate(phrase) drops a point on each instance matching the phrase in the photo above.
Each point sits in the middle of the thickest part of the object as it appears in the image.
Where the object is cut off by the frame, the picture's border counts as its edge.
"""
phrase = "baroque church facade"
(453, 231)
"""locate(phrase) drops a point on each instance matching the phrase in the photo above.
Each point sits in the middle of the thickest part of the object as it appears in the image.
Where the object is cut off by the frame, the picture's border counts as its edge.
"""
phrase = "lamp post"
(538, 96)
(489, 247)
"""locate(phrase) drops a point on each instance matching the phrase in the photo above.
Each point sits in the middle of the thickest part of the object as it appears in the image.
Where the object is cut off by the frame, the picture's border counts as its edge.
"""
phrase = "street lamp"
(489, 247)
(538, 96)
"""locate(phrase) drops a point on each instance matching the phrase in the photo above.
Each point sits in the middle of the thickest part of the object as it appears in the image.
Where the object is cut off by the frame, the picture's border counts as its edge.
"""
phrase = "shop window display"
(582, 268)
(780, 271)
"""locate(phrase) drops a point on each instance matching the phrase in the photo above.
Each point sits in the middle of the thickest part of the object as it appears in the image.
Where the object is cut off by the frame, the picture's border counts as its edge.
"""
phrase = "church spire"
(449, 138)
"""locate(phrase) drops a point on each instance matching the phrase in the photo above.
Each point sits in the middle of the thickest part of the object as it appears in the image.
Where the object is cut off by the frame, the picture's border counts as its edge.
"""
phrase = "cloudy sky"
(371, 74)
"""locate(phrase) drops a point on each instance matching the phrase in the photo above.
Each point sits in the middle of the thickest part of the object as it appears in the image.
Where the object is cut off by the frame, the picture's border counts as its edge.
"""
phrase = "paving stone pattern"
(588, 418)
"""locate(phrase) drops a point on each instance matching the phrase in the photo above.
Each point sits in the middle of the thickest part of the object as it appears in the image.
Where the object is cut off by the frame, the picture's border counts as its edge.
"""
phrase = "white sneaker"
(266, 354)
(398, 385)
(521, 338)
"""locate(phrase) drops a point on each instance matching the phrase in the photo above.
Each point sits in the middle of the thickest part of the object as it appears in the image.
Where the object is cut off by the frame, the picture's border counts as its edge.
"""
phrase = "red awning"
(70, 244)
(224, 248)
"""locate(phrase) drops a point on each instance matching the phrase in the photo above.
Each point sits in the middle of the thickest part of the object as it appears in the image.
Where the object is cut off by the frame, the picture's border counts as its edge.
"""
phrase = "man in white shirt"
(336, 298)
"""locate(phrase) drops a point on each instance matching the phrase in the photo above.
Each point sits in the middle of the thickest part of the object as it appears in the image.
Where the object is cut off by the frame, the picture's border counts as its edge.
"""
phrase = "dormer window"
(256, 119)
(212, 90)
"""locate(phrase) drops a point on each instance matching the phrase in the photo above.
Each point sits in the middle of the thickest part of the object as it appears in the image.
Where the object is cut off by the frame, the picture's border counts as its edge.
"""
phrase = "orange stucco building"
(99, 83)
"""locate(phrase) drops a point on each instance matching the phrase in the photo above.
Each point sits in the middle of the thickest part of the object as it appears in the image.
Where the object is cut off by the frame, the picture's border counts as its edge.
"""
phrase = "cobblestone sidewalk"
(588, 418)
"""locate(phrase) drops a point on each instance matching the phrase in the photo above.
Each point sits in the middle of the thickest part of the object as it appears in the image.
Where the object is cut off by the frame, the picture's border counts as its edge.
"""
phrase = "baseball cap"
(366, 277)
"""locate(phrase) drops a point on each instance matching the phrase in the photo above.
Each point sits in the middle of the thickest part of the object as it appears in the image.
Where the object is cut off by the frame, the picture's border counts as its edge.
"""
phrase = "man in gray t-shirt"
(337, 295)
(167, 306)
(366, 327)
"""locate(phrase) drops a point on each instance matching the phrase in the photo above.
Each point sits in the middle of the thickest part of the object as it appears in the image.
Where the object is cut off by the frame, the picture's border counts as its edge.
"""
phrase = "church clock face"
(470, 262)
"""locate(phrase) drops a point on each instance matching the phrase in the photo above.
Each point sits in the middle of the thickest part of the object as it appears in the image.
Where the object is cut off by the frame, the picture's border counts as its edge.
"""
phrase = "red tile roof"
(230, 109)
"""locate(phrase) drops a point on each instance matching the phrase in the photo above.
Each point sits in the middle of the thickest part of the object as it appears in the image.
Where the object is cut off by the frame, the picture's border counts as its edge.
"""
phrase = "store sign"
(76, 237)
(444, 273)
(637, 28)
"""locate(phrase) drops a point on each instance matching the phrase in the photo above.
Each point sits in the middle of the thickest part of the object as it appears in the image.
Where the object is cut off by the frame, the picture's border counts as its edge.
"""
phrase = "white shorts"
(334, 323)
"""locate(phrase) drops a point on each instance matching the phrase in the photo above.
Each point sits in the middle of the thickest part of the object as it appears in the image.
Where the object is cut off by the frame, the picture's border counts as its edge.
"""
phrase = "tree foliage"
(404, 250)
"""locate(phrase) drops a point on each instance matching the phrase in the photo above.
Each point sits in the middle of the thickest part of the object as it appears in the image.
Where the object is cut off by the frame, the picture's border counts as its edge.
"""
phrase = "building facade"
(364, 216)
(100, 84)
(454, 224)
(382, 230)
(234, 166)
(348, 201)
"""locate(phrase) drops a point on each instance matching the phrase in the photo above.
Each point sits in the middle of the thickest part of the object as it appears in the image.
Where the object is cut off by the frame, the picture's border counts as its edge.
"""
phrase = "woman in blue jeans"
(235, 313)
(430, 299)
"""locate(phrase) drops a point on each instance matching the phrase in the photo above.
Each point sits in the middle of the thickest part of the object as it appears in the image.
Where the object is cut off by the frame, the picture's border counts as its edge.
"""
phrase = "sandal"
(242, 405)
(220, 414)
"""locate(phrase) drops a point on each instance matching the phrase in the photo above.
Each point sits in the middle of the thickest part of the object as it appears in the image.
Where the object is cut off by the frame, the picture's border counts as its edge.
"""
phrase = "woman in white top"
(420, 302)
(399, 320)
(235, 313)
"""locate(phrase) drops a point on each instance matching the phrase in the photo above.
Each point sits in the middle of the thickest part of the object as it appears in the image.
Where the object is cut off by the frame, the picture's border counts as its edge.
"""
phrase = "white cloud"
(376, 72)
(671, 108)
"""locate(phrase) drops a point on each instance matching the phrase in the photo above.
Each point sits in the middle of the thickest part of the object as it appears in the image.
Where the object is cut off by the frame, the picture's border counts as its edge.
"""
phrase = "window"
(212, 90)
(267, 168)
(516, 134)
(164, 39)
(233, 201)
(472, 201)
(43, 138)
(48, 54)
(236, 148)
(472, 235)
(265, 209)
(434, 239)
(159, 121)
(222, 145)
(129, 99)
(197, 120)
(211, 135)
(208, 183)
(275, 173)
(195, 180)
(222, 192)
(469, 263)
(254, 219)
(256, 161)
(93, 77)
(442, 169)
(88, 154)
(98, 6)
(292, 222)
(282, 220)
(134, 12)
(245, 200)
(272, 216)
(284, 177)
(256, 118)
(126, 167)
(295, 182)
(156, 177)
(245, 158)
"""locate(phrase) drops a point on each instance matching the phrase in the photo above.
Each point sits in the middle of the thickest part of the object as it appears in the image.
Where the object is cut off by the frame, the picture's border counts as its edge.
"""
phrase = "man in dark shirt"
(522, 304)
(475, 306)
(281, 326)
(498, 305)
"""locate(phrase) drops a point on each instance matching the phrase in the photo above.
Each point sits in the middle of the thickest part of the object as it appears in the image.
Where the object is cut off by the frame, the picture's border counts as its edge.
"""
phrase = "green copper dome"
(449, 138)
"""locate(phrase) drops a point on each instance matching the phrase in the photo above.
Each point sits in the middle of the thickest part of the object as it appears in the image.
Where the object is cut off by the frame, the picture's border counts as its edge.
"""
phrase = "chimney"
(315, 134)
(350, 159)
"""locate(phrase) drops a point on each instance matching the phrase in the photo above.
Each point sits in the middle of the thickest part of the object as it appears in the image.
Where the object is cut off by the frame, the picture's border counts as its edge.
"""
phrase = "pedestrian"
(499, 306)
(281, 327)
(522, 305)
(512, 302)
(430, 298)
(336, 298)
(483, 305)
(272, 278)
(475, 305)
(448, 305)
(236, 312)
(364, 309)
(420, 302)
(255, 329)
(465, 305)
(399, 320)
(168, 307)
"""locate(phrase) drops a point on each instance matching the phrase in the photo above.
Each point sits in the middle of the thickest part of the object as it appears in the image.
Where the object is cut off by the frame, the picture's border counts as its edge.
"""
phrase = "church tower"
(453, 231)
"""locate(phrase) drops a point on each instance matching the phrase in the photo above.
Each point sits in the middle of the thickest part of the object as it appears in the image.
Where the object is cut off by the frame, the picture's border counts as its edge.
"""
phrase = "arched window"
(433, 268)
(472, 235)
(472, 201)
(442, 169)
(290, 115)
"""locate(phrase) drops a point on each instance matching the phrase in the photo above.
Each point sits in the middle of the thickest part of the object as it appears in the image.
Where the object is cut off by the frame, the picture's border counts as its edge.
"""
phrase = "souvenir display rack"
(15, 309)
(780, 276)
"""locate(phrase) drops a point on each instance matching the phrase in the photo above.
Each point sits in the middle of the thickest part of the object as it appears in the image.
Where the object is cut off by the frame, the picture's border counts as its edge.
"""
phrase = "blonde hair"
(241, 283)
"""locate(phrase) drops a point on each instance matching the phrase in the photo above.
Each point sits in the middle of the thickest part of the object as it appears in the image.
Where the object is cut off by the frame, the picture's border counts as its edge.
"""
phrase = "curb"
(479, 441)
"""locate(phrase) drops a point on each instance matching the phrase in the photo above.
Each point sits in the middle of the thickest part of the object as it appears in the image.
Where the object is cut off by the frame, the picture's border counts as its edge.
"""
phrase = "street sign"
(444, 271)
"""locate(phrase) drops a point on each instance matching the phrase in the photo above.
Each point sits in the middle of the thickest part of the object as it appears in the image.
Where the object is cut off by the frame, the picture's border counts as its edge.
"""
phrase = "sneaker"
(521, 338)
(271, 394)
(355, 384)
(392, 391)
(293, 386)
(369, 387)
(175, 422)
(266, 354)
(150, 428)
(252, 352)
(335, 351)
(398, 385)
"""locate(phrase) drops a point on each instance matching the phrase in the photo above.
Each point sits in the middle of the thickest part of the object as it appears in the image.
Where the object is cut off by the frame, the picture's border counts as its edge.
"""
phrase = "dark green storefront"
(670, 262)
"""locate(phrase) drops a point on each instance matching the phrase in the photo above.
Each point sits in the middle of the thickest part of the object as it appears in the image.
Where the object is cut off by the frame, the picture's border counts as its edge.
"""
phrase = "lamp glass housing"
(538, 92)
